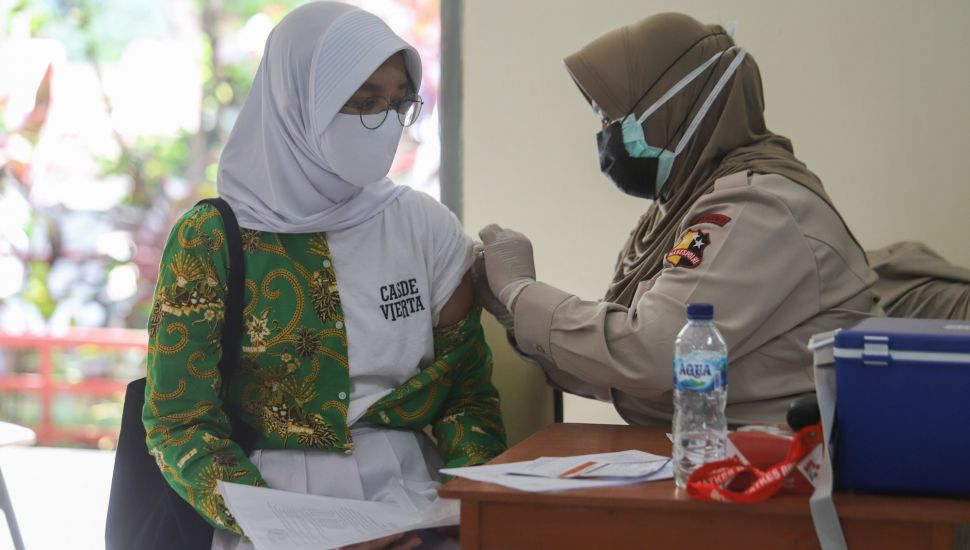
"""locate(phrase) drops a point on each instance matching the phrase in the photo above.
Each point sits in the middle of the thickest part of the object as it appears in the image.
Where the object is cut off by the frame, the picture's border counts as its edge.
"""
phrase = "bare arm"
(459, 304)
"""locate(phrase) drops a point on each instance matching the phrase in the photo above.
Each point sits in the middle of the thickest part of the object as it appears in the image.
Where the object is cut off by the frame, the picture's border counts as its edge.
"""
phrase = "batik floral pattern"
(292, 381)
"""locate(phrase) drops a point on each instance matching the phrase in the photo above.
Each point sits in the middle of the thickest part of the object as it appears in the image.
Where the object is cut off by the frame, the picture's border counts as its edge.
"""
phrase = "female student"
(359, 323)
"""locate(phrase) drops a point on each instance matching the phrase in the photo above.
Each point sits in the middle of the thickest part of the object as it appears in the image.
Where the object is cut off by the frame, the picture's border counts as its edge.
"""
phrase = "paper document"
(576, 472)
(293, 521)
(580, 467)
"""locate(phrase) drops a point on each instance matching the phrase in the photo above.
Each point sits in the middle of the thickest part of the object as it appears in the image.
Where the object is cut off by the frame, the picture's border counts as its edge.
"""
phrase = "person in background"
(916, 282)
(360, 327)
(735, 220)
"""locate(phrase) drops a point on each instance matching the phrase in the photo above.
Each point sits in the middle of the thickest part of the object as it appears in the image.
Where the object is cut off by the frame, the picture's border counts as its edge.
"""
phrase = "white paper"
(511, 474)
(620, 465)
(630, 470)
(284, 520)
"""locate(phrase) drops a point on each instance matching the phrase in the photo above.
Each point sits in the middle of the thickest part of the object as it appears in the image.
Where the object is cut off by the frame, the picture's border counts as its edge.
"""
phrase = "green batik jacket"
(294, 352)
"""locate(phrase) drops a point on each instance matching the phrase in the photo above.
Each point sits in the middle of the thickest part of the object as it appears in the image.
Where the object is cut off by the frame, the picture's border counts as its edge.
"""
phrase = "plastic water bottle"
(700, 393)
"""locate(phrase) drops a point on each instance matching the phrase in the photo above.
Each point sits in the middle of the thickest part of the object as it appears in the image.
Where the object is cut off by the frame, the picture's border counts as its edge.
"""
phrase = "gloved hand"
(508, 262)
(488, 300)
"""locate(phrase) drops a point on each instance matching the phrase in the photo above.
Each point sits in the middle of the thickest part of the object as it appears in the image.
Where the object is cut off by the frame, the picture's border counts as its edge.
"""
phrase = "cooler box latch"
(875, 351)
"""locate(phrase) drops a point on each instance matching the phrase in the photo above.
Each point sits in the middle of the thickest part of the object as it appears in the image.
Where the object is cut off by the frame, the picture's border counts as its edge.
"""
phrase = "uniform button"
(342, 395)
(339, 325)
(539, 349)
(326, 263)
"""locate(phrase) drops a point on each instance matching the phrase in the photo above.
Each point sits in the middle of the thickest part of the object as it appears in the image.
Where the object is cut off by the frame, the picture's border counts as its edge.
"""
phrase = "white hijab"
(272, 170)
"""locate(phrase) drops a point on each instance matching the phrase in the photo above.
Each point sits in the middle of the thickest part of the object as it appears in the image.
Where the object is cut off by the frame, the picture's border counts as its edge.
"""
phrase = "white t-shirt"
(395, 272)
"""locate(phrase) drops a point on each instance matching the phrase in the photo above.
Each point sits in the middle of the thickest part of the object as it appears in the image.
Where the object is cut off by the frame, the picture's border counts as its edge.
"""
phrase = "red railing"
(46, 386)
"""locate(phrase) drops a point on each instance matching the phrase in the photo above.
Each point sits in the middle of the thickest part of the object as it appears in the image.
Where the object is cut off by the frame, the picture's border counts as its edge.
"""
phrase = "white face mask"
(356, 154)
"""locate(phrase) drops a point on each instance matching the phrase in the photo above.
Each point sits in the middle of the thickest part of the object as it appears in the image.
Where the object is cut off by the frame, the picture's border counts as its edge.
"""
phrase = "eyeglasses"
(408, 108)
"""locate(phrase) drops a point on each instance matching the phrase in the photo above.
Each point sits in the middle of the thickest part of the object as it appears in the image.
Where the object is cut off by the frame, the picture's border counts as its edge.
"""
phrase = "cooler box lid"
(884, 339)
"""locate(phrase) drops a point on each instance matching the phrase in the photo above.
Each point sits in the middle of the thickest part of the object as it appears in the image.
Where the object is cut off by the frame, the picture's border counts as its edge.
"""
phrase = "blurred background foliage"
(113, 114)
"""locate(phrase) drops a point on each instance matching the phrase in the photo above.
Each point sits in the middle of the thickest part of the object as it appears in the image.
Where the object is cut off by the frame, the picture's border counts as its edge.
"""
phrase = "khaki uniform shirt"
(777, 263)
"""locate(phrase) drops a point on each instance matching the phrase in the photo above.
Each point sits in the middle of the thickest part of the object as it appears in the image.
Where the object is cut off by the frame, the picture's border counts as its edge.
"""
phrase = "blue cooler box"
(903, 409)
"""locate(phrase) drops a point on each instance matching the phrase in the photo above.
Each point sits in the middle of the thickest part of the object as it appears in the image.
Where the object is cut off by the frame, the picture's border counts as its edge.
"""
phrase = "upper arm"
(449, 258)
(184, 335)
(460, 303)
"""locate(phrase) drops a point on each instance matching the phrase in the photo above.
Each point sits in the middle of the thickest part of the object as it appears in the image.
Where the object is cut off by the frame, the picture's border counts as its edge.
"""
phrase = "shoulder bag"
(144, 512)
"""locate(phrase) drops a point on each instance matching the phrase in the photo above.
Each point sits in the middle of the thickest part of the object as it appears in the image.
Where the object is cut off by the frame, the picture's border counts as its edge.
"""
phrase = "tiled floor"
(59, 495)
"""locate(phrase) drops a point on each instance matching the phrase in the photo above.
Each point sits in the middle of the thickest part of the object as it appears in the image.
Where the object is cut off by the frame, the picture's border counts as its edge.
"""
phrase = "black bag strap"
(232, 326)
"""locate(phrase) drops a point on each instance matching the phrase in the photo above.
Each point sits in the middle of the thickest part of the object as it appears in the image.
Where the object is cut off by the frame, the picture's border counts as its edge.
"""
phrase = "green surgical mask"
(632, 127)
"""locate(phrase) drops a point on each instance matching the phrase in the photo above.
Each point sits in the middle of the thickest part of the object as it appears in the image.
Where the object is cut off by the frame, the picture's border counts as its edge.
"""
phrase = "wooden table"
(658, 515)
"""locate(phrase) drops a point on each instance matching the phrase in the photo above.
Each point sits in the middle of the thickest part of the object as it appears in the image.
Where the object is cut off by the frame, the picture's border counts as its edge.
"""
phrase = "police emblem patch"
(689, 252)
(717, 219)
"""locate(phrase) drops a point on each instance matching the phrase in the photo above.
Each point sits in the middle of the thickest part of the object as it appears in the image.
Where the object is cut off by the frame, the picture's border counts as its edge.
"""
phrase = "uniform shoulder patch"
(717, 219)
(689, 251)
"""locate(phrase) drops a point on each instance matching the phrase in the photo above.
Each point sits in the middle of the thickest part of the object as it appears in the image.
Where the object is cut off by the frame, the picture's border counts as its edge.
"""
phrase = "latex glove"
(485, 296)
(508, 262)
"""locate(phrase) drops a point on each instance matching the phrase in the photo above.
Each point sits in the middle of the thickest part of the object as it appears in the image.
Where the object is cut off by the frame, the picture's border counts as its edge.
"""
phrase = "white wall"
(875, 95)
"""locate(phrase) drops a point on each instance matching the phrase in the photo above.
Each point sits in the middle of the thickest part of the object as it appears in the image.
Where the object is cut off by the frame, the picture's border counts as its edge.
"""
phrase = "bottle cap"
(700, 312)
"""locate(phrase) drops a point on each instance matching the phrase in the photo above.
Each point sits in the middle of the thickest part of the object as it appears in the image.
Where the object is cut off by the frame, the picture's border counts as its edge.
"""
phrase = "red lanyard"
(733, 481)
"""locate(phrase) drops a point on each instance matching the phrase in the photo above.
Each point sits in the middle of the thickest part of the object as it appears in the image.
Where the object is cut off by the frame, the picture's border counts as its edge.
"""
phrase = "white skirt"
(386, 466)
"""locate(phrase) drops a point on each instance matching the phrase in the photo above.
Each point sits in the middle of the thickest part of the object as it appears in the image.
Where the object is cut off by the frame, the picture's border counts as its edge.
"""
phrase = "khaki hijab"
(616, 69)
